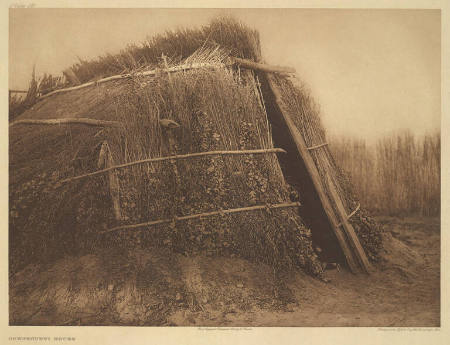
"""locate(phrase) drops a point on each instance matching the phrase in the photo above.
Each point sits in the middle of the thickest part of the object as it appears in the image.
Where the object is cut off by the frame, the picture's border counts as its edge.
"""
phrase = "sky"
(373, 72)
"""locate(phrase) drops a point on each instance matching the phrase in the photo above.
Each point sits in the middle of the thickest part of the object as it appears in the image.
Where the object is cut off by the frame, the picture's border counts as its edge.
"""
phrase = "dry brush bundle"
(177, 45)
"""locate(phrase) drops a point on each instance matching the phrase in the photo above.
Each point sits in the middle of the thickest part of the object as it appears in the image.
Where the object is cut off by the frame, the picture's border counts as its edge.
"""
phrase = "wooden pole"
(18, 91)
(174, 69)
(105, 160)
(201, 215)
(189, 155)
(242, 63)
(315, 177)
(167, 68)
(68, 121)
(259, 66)
(352, 237)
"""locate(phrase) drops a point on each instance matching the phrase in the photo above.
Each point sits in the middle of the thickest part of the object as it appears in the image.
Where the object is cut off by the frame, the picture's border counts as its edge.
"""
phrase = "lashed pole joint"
(316, 146)
(351, 214)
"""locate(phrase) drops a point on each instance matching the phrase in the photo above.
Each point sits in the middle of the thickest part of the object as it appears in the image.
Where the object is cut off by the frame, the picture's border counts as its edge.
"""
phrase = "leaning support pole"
(105, 160)
(355, 259)
(353, 239)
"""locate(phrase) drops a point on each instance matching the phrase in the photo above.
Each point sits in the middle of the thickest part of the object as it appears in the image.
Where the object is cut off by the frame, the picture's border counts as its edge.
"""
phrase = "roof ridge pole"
(350, 254)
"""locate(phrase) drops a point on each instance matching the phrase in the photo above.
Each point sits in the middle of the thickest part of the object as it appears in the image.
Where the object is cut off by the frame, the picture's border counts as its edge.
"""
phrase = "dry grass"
(398, 175)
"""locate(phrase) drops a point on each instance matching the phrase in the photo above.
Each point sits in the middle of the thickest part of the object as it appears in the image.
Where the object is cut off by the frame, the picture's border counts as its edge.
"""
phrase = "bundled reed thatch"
(216, 108)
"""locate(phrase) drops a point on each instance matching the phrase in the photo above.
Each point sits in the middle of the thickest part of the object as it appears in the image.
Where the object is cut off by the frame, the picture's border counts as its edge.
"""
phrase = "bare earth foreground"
(155, 287)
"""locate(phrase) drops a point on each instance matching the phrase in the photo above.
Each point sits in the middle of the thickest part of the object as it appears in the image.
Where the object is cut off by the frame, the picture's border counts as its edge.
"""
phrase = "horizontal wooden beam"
(259, 66)
(68, 121)
(185, 67)
(153, 72)
(201, 215)
(188, 155)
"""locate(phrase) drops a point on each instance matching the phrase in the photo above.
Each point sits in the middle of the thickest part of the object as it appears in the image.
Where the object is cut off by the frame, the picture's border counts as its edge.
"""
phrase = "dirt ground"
(156, 287)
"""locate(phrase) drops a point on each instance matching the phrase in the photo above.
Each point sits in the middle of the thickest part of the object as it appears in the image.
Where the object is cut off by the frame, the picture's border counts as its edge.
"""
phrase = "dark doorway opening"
(296, 174)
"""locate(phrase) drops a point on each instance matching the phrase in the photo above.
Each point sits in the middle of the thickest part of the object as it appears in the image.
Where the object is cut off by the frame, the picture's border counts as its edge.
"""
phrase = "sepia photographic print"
(223, 168)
